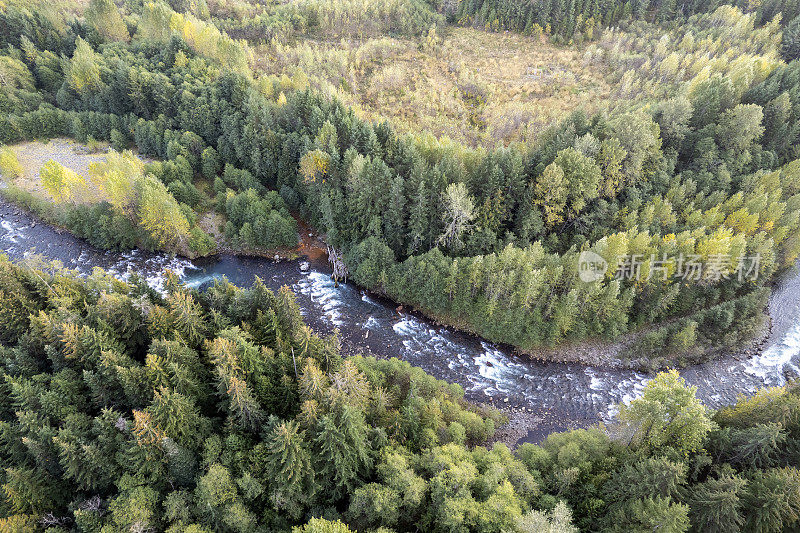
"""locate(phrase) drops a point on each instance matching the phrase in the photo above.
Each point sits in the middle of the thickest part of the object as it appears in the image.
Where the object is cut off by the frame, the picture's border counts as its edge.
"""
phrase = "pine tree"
(28, 491)
(233, 390)
(395, 218)
(418, 223)
(341, 451)
(550, 193)
(715, 505)
(790, 46)
(772, 500)
(288, 470)
(188, 317)
(178, 416)
(651, 514)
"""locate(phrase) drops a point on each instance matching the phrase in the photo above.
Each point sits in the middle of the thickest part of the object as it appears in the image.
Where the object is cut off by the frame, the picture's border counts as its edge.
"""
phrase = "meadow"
(474, 87)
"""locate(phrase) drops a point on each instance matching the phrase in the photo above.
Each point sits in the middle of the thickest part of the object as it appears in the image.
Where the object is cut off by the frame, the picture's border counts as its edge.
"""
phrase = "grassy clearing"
(475, 87)
(72, 155)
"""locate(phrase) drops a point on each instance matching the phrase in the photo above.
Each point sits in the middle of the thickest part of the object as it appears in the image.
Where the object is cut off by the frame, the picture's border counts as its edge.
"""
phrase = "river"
(564, 395)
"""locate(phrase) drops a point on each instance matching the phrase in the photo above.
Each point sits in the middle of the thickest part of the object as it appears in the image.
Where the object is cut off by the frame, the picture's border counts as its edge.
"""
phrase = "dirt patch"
(521, 421)
(213, 224)
(311, 245)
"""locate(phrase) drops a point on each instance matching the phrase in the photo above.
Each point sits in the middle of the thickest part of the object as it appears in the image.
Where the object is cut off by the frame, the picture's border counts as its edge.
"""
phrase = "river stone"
(206, 285)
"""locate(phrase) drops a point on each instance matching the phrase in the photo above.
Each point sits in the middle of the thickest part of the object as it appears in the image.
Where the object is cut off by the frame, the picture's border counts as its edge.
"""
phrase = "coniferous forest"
(127, 410)
(673, 158)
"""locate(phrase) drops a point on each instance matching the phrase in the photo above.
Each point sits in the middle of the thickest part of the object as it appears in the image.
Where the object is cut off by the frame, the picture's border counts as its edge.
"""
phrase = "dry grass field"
(33, 155)
(475, 87)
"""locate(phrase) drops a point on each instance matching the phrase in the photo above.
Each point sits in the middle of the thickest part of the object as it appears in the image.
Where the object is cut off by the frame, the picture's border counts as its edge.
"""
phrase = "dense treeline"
(564, 20)
(124, 409)
(584, 19)
(277, 22)
(144, 214)
(260, 221)
(485, 239)
(651, 63)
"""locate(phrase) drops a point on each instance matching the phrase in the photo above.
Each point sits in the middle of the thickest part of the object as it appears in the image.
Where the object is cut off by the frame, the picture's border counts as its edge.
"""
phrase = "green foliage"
(158, 23)
(189, 432)
(668, 417)
(287, 463)
(210, 163)
(125, 408)
(772, 500)
(651, 514)
(486, 240)
(84, 69)
(340, 19)
(559, 520)
(104, 16)
(716, 505)
(569, 20)
(790, 45)
(259, 221)
(121, 206)
(18, 92)
(582, 177)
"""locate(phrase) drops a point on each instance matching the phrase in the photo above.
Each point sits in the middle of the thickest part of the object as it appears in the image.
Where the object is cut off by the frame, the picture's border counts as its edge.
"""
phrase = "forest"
(125, 409)
(697, 158)
(224, 123)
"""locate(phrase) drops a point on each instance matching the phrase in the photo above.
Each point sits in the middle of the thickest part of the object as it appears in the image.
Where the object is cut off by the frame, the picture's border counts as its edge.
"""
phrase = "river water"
(566, 395)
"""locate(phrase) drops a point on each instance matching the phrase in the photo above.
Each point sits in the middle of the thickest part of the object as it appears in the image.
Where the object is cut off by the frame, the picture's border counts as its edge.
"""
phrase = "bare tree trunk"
(336, 259)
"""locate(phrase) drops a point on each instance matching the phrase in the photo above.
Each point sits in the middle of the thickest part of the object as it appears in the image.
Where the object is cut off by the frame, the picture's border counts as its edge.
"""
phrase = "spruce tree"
(341, 451)
(288, 470)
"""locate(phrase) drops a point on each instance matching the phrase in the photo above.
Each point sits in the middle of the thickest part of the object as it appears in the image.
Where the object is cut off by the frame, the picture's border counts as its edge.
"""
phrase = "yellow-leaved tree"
(122, 181)
(159, 22)
(161, 215)
(63, 184)
(314, 165)
(115, 179)
(9, 164)
(104, 16)
(84, 68)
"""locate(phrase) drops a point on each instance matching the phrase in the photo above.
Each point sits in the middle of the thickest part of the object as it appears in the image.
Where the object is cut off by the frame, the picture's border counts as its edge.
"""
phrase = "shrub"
(10, 166)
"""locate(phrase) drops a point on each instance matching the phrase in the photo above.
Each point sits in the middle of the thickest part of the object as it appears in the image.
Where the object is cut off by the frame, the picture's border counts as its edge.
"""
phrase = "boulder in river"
(304, 266)
(207, 284)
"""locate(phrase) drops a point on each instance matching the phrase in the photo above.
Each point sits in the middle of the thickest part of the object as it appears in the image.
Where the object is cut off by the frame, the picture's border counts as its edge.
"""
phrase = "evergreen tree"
(288, 470)
(716, 505)
(104, 16)
(341, 451)
(790, 46)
